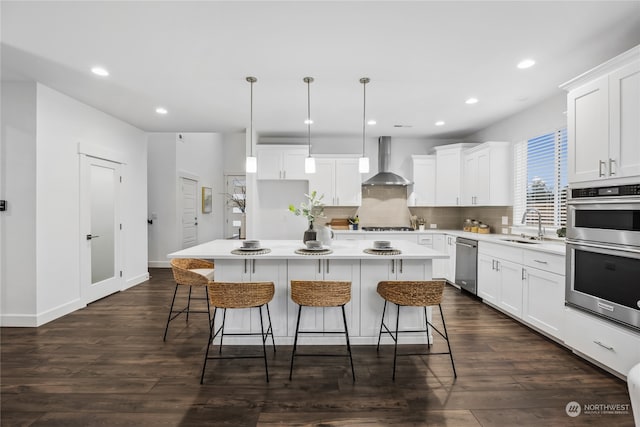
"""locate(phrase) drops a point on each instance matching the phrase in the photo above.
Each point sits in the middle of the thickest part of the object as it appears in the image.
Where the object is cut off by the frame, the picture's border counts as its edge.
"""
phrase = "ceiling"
(424, 59)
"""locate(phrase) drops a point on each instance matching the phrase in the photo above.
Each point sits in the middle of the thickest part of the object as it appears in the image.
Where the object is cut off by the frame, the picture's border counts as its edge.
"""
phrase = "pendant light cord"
(364, 82)
(251, 80)
(308, 81)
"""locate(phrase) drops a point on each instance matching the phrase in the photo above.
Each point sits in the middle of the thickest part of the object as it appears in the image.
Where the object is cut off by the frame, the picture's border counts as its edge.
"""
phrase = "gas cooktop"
(387, 229)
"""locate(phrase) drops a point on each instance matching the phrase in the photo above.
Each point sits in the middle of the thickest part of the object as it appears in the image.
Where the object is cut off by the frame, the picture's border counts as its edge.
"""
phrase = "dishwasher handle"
(466, 245)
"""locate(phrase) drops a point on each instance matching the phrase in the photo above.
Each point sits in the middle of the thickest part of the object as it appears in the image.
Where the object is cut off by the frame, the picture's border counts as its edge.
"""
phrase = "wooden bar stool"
(189, 272)
(321, 293)
(226, 295)
(416, 294)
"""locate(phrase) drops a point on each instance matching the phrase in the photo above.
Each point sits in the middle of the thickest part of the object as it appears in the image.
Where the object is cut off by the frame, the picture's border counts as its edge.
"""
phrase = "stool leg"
(206, 354)
(175, 291)
(346, 333)
(264, 348)
(384, 308)
(224, 318)
(206, 295)
(188, 304)
(455, 375)
(270, 329)
(426, 321)
(295, 342)
(395, 347)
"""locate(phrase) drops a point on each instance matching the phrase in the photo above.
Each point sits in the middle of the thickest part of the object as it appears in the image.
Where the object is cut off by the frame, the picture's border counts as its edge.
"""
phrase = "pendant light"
(363, 162)
(309, 162)
(252, 162)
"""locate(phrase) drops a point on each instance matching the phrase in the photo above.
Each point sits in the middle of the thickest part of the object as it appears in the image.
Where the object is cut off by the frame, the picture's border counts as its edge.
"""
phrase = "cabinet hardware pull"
(457, 202)
(524, 274)
(253, 263)
(600, 164)
(604, 346)
(493, 264)
(401, 265)
(497, 265)
(319, 266)
(605, 306)
(327, 266)
(284, 174)
(245, 266)
(541, 262)
(393, 266)
(611, 163)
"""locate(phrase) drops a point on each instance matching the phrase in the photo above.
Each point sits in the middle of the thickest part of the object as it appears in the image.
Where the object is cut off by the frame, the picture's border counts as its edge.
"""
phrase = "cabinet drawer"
(545, 261)
(611, 345)
(425, 240)
(500, 251)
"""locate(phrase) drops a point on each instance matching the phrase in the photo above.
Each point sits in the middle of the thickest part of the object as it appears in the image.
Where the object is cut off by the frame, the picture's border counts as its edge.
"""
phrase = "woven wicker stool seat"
(320, 293)
(189, 272)
(235, 295)
(414, 294)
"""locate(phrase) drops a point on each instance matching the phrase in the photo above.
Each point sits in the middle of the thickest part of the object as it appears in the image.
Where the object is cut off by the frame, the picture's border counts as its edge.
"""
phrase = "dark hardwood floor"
(107, 365)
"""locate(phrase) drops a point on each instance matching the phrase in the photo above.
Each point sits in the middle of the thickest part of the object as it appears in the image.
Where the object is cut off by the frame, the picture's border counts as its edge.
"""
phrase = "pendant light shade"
(252, 162)
(309, 162)
(363, 163)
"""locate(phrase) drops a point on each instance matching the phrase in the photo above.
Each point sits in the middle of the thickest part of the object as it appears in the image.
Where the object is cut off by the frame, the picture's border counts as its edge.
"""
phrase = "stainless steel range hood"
(384, 176)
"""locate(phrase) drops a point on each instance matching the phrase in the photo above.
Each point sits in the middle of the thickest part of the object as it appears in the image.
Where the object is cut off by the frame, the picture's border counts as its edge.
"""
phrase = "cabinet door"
(372, 272)
(543, 301)
(484, 187)
(451, 262)
(348, 183)
(624, 86)
(271, 270)
(269, 164)
(511, 286)
(448, 177)
(424, 181)
(488, 279)
(343, 270)
(293, 164)
(439, 265)
(323, 181)
(588, 131)
(470, 185)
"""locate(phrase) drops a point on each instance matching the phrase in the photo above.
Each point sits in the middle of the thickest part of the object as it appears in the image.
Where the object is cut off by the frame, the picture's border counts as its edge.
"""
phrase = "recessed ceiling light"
(439, 123)
(471, 101)
(526, 63)
(99, 71)
(161, 110)
(308, 122)
(371, 122)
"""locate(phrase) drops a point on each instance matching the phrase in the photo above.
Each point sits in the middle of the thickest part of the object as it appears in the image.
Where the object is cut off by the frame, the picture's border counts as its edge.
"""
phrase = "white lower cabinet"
(500, 279)
(373, 272)
(328, 318)
(446, 267)
(439, 265)
(614, 347)
(256, 270)
(543, 301)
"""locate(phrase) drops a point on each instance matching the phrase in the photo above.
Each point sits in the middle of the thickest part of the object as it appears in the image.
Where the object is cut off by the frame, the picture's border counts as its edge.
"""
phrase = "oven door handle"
(598, 201)
(601, 246)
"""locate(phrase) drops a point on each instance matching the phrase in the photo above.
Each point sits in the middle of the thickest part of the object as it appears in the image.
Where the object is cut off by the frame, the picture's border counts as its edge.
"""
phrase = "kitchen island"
(346, 261)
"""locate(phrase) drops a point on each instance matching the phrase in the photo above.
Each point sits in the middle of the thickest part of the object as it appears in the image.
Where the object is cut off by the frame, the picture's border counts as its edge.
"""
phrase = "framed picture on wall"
(207, 199)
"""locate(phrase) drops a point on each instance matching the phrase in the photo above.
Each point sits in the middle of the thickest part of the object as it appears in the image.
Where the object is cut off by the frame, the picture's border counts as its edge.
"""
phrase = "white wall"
(61, 123)
(542, 118)
(18, 186)
(199, 156)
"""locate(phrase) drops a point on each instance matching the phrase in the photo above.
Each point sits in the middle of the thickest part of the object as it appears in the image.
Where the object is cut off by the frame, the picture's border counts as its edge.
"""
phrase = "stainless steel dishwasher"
(467, 264)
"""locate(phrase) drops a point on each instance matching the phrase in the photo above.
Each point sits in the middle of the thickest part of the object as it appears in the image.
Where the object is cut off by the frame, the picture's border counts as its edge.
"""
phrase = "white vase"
(243, 226)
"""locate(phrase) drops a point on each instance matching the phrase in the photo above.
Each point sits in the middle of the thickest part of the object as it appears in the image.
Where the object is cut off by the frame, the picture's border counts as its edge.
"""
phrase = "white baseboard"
(159, 264)
(35, 320)
(136, 280)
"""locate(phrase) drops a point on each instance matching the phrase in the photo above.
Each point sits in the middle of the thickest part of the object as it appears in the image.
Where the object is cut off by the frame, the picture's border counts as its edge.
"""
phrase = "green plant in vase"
(312, 209)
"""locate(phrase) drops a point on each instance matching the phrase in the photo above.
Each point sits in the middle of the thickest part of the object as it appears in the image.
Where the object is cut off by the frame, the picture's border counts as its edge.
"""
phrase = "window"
(541, 179)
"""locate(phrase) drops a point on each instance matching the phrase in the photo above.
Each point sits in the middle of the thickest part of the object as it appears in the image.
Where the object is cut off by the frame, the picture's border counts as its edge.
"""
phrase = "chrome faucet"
(534, 210)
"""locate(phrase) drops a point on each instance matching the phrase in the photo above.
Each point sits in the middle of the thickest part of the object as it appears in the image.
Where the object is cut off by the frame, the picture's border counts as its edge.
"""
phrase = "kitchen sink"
(526, 242)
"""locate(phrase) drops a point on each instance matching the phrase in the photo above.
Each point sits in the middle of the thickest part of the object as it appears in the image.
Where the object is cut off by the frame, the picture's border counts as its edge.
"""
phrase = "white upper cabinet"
(424, 180)
(449, 166)
(281, 162)
(603, 122)
(338, 179)
(486, 175)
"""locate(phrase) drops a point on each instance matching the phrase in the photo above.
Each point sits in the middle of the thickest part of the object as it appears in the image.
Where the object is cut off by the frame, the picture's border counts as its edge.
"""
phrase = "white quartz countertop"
(285, 249)
(555, 246)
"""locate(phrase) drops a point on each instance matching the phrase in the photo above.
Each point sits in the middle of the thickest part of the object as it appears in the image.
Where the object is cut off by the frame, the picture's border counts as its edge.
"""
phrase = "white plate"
(250, 249)
(314, 249)
(387, 248)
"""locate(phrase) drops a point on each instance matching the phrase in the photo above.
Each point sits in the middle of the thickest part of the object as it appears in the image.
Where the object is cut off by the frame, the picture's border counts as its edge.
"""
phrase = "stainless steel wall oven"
(603, 252)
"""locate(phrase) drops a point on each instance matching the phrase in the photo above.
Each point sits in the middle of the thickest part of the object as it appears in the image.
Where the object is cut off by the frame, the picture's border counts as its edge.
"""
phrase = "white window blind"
(541, 179)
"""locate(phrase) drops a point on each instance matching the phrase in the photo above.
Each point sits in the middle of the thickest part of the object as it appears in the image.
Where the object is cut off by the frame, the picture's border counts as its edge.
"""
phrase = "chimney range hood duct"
(384, 176)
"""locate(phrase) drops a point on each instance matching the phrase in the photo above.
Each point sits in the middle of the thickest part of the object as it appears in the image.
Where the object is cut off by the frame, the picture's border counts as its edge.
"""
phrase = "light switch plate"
(505, 220)
(433, 225)
(505, 231)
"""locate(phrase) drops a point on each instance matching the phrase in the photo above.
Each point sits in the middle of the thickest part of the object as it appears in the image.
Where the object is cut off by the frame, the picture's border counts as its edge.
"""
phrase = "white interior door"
(100, 252)
(189, 191)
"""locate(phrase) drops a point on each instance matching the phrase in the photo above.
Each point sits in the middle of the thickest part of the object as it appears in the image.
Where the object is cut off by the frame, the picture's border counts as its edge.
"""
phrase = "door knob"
(89, 237)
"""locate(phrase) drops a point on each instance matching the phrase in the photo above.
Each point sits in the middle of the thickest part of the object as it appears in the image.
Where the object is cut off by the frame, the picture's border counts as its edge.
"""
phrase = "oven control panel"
(615, 191)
